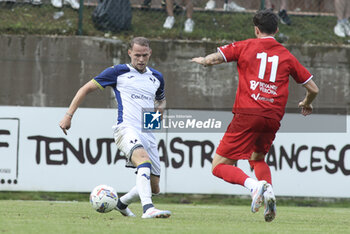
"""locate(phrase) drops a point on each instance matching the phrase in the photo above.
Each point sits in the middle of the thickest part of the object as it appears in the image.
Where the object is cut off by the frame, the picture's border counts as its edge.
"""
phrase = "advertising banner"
(309, 157)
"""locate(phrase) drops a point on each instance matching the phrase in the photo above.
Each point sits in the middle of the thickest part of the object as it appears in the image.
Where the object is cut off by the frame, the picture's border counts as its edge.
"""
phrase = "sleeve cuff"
(308, 80)
(98, 84)
(222, 55)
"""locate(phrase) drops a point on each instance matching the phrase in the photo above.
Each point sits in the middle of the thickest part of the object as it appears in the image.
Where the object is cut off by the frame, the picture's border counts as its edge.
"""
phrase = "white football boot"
(126, 212)
(270, 204)
(258, 195)
(155, 213)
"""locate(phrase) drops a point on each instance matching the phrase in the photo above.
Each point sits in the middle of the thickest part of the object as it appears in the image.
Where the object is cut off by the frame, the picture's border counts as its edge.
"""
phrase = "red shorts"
(247, 134)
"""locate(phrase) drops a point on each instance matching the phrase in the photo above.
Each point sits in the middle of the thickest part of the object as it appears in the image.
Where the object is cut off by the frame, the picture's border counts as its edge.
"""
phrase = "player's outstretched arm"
(77, 100)
(311, 92)
(209, 60)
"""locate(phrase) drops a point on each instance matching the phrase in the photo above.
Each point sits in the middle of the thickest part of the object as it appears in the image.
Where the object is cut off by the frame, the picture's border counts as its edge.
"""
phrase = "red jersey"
(264, 66)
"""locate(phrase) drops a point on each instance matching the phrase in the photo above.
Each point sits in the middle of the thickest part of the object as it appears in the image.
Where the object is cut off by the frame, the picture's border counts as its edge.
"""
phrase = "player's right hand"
(65, 124)
(199, 60)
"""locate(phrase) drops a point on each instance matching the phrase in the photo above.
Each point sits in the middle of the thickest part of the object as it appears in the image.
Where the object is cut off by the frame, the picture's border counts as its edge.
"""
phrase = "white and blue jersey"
(134, 91)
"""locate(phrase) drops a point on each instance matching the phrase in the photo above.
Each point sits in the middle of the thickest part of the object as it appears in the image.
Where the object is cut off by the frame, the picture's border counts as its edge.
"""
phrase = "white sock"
(130, 197)
(250, 183)
(143, 183)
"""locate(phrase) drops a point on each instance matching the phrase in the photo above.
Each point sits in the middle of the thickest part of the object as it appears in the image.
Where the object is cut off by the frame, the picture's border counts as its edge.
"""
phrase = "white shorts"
(129, 138)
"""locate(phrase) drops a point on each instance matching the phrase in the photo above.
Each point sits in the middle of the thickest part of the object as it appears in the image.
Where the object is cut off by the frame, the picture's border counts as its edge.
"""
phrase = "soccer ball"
(103, 198)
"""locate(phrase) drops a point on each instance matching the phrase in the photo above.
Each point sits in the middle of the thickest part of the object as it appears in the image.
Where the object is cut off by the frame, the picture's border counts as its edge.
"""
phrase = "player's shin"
(131, 196)
(143, 184)
(229, 173)
(261, 170)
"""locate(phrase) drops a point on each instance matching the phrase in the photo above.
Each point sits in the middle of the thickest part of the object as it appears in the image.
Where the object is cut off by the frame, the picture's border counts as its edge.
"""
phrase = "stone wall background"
(48, 70)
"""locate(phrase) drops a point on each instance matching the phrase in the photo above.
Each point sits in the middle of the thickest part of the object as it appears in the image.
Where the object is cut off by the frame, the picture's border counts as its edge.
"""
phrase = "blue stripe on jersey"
(109, 77)
(120, 106)
(120, 69)
(160, 94)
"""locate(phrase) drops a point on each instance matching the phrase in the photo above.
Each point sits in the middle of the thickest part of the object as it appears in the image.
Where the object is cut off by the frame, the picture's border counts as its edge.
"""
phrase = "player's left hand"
(305, 109)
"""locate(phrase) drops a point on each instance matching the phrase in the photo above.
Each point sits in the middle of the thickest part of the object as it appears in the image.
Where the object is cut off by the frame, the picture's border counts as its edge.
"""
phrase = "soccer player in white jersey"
(136, 87)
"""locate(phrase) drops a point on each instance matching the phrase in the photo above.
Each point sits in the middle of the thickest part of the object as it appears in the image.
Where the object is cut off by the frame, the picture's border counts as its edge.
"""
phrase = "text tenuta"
(181, 152)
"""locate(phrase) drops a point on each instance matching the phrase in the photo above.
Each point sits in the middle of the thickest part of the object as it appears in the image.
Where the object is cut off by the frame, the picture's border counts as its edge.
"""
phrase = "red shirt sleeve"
(231, 51)
(299, 73)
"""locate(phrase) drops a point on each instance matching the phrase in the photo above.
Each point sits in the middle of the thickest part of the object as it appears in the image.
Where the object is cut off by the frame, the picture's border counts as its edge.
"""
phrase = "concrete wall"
(47, 71)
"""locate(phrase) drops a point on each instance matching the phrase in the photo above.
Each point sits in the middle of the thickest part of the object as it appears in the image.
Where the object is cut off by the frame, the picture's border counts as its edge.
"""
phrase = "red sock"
(231, 174)
(262, 170)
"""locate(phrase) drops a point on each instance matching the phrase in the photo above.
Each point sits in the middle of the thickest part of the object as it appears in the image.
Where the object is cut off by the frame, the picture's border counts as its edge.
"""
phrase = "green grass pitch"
(79, 217)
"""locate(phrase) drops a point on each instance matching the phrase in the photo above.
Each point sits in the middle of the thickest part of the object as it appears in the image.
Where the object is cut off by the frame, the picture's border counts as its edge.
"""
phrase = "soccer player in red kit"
(264, 66)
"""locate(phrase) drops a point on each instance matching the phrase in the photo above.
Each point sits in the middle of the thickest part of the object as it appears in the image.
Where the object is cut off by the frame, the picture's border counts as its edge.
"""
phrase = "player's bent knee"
(139, 156)
(257, 156)
(139, 152)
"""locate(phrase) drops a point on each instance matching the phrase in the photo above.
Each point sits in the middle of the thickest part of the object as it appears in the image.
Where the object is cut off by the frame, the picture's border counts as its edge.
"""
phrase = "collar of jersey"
(267, 37)
(131, 67)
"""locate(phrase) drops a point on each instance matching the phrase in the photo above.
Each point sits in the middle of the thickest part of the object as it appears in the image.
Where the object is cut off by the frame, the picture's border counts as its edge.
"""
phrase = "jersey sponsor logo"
(261, 98)
(151, 120)
(141, 97)
(267, 99)
(263, 87)
(255, 96)
(268, 88)
(133, 141)
(129, 77)
(253, 84)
